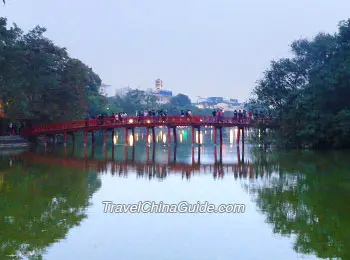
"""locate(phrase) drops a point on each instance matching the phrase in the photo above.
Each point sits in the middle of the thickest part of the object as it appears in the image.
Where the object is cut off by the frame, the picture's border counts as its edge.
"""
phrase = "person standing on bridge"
(244, 114)
(219, 115)
(235, 115)
(240, 116)
(250, 114)
(214, 115)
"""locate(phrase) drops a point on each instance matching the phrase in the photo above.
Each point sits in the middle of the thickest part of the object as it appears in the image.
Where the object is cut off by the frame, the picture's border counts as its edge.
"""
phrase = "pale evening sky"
(197, 47)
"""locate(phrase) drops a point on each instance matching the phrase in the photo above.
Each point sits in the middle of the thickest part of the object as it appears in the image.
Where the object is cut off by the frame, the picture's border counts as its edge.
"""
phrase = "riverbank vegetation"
(309, 92)
(41, 82)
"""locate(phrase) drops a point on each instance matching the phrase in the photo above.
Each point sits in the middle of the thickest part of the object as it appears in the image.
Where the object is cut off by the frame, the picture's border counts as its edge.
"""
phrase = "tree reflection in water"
(39, 204)
(307, 197)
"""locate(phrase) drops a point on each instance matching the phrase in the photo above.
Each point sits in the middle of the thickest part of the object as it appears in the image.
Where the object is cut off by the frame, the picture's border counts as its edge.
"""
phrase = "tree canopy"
(310, 92)
(40, 81)
(180, 100)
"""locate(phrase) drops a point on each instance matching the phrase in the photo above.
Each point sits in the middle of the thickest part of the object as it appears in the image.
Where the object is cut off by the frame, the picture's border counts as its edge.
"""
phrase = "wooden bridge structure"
(130, 123)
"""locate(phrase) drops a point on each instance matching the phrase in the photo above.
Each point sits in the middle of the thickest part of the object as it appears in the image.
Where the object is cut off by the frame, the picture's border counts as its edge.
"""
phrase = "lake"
(296, 203)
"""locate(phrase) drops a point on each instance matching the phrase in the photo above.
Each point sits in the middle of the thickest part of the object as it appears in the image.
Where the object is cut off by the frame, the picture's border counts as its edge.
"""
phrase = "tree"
(180, 100)
(309, 92)
(39, 81)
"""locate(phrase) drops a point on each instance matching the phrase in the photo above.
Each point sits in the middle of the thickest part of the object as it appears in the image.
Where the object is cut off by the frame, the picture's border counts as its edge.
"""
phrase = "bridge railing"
(136, 121)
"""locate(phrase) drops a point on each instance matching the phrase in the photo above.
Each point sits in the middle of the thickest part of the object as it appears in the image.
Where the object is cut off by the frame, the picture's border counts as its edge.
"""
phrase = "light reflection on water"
(280, 191)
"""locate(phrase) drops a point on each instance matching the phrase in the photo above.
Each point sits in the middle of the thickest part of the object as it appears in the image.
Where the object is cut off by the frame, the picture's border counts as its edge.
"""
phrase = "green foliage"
(39, 81)
(310, 92)
(180, 100)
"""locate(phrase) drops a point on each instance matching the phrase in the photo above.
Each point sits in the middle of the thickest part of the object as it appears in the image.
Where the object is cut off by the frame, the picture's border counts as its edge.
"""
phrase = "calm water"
(297, 203)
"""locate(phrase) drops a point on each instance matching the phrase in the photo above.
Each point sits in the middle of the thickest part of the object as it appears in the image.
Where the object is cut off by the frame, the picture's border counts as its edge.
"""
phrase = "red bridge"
(148, 122)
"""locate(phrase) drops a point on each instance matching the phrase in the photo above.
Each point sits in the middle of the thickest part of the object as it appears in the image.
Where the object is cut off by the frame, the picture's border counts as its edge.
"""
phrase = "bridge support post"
(65, 138)
(147, 135)
(105, 152)
(147, 153)
(169, 136)
(220, 145)
(193, 137)
(153, 135)
(126, 153)
(133, 153)
(85, 137)
(215, 135)
(112, 151)
(220, 136)
(199, 135)
(174, 134)
(243, 144)
(175, 153)
(126, 136)
(169, 154)
(199, 155)
(92, 138)
(192, 152)
(154, 154)
(45, 140)
(105, 135)
(238, 155)
(238, 135)
(112, 138)
(73, 139)
(215, 156)
(133, 136)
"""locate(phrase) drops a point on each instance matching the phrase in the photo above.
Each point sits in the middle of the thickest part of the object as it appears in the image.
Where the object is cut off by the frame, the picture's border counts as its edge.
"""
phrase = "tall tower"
(159, 85)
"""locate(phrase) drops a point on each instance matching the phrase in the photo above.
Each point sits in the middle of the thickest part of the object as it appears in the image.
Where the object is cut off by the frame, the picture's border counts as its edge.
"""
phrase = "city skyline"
(206, 48)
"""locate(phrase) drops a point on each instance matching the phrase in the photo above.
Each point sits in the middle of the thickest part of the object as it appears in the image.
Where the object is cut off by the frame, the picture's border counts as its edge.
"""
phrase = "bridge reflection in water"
(150, 167)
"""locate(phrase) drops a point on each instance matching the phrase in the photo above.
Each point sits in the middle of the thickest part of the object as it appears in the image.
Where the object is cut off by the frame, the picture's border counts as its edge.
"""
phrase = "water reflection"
(38, 208)
(302, 195)
(150, 168)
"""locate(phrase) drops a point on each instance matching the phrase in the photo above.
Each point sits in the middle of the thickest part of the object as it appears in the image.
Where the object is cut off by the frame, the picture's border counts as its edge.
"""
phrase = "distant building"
(159, 85)
(163, 96)
(122, 91)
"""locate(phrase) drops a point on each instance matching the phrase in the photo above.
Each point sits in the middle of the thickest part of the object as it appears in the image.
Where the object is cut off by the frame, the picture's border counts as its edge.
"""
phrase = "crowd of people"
(161, 115)
(13, 129)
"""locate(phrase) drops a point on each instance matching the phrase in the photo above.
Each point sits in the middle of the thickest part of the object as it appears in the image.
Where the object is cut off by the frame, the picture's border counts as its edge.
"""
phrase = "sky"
(197, 47)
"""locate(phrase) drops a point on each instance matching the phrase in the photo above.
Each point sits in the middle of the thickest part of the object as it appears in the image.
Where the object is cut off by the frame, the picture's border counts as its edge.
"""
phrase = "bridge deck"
(145, 122)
